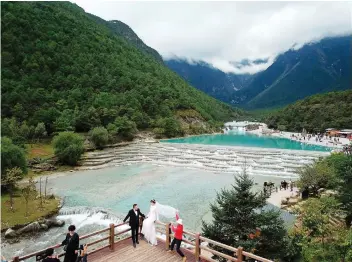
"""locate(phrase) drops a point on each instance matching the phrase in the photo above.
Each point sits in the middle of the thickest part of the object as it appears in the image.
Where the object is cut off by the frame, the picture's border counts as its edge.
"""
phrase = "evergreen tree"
(238, 213)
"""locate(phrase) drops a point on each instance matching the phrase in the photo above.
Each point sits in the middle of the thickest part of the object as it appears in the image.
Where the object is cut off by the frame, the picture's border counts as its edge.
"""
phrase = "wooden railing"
(195, 240)
(110, 238)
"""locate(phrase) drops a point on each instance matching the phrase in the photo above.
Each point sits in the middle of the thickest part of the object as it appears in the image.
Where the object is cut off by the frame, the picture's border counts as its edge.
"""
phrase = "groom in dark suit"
(134, 214)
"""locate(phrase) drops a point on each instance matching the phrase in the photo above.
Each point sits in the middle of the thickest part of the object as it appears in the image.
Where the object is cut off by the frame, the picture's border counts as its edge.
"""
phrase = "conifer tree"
(238, 214)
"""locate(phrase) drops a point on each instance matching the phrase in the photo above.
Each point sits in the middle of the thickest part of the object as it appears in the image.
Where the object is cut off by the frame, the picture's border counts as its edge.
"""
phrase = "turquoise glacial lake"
(247, 140)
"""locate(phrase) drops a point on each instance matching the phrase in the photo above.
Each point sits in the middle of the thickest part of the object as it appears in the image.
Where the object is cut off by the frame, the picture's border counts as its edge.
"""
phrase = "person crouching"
(178, 233)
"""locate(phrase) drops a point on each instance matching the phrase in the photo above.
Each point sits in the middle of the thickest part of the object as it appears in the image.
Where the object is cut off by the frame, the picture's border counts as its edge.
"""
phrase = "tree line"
(315, 113)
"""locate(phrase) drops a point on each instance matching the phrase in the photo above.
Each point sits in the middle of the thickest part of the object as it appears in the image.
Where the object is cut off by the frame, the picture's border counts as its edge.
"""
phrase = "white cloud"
(223, 32)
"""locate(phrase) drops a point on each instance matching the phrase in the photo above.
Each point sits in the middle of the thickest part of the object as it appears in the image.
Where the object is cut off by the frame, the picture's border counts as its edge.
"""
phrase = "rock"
(330, 193)
(44, 227)
(284, 201)
(34, 161)
(320, 190)
(10, 233)
(44, 167)
(283, 206)
(54, 222)
(32, 227)
(293, 201)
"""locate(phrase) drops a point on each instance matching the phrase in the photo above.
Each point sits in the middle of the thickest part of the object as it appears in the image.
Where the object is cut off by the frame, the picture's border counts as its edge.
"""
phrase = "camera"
(41, 256)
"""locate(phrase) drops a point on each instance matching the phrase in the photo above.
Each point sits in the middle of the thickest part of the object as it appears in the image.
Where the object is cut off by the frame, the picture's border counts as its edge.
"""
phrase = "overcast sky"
(224, 32)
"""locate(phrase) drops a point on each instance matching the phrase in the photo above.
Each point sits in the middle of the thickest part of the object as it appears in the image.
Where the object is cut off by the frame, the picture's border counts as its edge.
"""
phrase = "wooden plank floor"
(125, 252)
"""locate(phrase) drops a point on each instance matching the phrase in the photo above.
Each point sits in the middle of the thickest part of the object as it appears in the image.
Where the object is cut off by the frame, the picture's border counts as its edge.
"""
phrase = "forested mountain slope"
(61, 67)
(123, 30)
(315, 113)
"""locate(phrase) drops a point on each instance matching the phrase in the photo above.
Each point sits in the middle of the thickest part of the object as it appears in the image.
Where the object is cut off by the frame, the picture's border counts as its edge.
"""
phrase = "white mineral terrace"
(259, 161)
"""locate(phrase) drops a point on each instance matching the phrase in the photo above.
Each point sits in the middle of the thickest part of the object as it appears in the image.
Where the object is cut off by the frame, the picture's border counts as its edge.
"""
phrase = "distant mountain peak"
(316, 67)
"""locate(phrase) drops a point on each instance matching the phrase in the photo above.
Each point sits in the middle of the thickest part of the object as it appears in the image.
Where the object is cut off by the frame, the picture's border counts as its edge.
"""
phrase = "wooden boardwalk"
(125, 252)
(120, 249)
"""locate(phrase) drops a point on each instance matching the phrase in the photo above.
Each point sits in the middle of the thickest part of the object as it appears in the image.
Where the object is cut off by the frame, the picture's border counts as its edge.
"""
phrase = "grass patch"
(18, 217)
(42, 150)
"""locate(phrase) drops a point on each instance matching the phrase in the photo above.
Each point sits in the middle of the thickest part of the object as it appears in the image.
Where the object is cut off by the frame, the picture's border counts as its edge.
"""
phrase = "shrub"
(68, 147)
(12, 156)
(99, 136)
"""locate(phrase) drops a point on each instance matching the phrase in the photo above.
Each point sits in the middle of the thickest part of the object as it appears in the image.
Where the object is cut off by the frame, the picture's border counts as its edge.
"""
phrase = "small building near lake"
(346, 133)
(332, 132)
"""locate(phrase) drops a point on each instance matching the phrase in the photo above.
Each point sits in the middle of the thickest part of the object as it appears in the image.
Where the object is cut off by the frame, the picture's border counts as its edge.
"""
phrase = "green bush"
(158, 132)
(12, 156)
(68, 147)
(99, 136)
(125, 128)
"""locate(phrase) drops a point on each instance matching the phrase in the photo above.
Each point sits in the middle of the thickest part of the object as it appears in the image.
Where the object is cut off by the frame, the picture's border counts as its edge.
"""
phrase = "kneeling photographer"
(49, 256)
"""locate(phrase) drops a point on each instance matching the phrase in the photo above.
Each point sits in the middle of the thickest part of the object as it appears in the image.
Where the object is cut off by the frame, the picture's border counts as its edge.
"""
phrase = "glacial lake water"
(180, 173)
(95, 198)
(247, 140)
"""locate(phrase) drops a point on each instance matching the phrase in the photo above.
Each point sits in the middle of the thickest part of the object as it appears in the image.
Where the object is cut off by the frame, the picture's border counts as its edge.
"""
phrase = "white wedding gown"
(148, 229)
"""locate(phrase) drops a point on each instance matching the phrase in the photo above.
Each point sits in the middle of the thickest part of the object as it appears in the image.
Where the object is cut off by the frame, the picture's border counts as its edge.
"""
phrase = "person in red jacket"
(178, 233)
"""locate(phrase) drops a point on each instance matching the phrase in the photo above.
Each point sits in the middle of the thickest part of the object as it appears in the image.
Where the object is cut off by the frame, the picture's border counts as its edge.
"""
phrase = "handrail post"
(197, 250)
(16, 259)
(112, 236)
(167, 240)
(239, 254)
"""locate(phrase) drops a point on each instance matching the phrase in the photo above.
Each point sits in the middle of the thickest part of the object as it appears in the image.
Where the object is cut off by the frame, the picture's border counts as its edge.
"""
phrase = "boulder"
(32, 227)
(44, 227)
(10, 233)
(54, 222)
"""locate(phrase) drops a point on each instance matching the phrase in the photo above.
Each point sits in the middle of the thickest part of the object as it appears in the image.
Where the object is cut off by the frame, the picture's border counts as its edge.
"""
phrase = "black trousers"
(70, 257)
(178, 245)
(134, 231)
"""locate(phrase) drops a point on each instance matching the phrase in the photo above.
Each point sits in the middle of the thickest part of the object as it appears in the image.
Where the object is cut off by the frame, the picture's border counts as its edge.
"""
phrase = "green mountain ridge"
(315, 113)
(121, 29)
(62, 67)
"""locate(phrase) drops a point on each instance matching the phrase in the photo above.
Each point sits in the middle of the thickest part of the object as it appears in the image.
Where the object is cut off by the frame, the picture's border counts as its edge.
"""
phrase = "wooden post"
(112, 237)
(197, 250)
(16, 259)
(167, 239)
(239, 254)
(46, 183)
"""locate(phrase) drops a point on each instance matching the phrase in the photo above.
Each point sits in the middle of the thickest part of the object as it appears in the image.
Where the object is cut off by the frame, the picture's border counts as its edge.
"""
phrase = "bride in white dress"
(148, 229)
